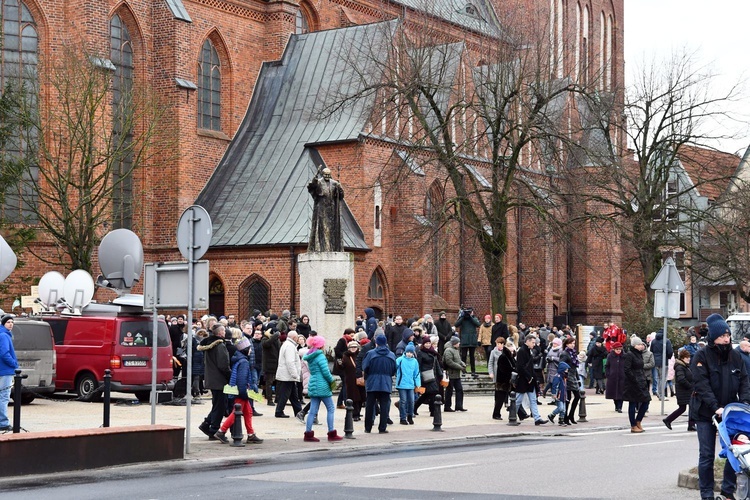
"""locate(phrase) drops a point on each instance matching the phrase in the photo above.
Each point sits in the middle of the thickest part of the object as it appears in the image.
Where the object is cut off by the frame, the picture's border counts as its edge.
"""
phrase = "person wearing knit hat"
(710, 365)
(431, 373)
(407, 379)
(635, 340)
(378, 368)
(349, 369)
(454, 366)
(636, 387)
(8, 365)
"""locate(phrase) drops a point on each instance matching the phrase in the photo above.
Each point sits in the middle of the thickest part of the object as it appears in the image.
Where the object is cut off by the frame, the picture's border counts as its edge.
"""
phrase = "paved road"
(583, 464)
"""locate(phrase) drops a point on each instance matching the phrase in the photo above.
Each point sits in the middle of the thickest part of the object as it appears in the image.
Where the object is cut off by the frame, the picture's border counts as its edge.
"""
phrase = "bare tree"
(670, 112)
(86, 134)
(483, 112)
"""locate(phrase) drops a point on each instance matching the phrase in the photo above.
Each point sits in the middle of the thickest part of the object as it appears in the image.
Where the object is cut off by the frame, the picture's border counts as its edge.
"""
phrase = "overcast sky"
(717, 30)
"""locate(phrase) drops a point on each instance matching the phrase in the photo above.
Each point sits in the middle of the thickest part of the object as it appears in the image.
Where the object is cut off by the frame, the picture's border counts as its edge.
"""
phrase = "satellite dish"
(51, 288)
(8, 259)
(78, 290)
(121, 259)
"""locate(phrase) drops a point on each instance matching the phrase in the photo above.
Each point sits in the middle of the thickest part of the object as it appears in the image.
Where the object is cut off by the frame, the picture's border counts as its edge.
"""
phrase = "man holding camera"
(467, 324)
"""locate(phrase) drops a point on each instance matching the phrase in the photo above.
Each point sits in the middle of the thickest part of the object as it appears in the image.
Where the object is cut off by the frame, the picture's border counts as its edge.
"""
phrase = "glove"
(254, 388)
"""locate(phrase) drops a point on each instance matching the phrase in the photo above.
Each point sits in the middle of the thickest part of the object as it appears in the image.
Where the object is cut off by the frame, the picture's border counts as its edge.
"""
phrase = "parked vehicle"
(114, 337)
(35, 350)
(739, 324)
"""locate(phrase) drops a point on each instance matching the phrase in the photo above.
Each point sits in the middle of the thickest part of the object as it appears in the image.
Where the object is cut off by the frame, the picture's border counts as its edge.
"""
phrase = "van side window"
(58, 330)
(138, 334)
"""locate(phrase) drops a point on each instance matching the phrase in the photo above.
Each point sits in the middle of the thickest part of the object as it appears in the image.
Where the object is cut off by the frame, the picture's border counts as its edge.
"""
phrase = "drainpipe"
(293, 280)
(519, 264)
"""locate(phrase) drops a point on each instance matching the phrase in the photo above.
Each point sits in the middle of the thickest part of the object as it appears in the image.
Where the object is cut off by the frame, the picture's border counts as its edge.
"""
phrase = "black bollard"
(237, 427)
(17, 390)
(582, 408)
(437, 414)
(512, 411)
(107, 385)
(349, 420)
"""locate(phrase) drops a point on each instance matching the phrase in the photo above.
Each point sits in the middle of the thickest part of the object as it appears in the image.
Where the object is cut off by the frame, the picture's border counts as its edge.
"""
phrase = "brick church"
(242, 78)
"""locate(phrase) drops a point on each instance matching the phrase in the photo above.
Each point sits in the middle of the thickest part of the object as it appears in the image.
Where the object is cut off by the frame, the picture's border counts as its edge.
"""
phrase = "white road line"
(647, 444)
(417, 470)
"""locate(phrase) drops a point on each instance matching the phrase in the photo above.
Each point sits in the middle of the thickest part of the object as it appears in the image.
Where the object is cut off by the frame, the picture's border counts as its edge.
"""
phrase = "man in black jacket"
(217, 373)
(526, 384)
(719, 378)
(394, 333)
(445, 332)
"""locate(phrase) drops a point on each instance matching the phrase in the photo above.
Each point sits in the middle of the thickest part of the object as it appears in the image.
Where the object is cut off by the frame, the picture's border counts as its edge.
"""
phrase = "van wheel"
(27, 398)
(143, 396)
(86, 388)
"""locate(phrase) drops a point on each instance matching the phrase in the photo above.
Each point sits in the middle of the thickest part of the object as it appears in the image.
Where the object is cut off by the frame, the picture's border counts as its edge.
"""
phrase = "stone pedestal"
(326, 292)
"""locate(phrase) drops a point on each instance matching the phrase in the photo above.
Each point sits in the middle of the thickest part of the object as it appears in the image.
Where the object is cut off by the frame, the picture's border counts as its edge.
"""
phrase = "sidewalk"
(284, 436)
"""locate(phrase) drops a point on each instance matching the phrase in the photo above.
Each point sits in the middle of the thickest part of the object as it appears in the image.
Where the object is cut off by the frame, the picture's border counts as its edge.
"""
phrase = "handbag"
(232, 390)
(427, 376)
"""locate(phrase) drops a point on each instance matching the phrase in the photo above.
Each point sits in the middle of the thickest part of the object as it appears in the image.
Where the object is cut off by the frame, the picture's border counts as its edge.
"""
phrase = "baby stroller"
(734, 437)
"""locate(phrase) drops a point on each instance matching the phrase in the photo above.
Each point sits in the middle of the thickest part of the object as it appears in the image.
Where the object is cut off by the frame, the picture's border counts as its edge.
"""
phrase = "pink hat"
(315, 342)
(557, 342)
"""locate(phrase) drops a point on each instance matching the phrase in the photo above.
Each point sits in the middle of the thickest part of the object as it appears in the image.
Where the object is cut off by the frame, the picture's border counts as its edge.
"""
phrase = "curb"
(687, 479)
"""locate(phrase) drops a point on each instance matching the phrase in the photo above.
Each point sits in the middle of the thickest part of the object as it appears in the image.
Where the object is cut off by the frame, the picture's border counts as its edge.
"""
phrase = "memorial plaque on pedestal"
(335, 294)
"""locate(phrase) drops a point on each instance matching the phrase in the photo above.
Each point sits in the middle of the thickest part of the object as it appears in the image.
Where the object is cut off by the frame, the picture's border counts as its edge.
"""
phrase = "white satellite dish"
(78, 290)
(121, 259)
(51, 288)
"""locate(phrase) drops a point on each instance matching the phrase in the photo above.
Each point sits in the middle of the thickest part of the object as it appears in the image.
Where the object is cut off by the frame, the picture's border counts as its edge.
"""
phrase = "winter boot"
(310, 436)
(635, 430)
(253, 439)
(638, 424)
(410, 420)
(221, 436)
(333, 436)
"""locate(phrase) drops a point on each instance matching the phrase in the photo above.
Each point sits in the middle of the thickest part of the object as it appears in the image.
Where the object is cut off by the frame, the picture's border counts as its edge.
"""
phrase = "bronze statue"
(325, 233)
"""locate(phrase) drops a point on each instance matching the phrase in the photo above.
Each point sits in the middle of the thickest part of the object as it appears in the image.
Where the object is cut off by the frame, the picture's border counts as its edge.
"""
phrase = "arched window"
(255, 293)
(375, 289)
(585, 46)
(609, 66)
(378, 215)
(19, 58)
(216, 297)
(302, 25)
(209, 88)
(433, 210)
(121, 54)
(602, 49)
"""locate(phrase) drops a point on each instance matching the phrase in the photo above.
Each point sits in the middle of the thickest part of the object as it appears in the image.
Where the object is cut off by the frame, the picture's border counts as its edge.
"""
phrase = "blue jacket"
(319, 384)
(656, 348)
(242, 376)
(401, 347)
(379, 367)
(407, 373)
(560, 381)
(8, 359)
(372, 322)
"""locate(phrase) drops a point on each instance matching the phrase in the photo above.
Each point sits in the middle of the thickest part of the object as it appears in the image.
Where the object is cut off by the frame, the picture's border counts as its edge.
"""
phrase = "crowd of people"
(281, 360)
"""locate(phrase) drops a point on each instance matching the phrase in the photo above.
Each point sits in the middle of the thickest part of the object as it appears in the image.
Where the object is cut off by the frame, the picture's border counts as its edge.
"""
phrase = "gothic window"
(216, 297)
(121, 54)
(209, 88)
(585, 46)
(433, 207)
(19, 57)
(375, 289)
(377, 223)
(302, 26)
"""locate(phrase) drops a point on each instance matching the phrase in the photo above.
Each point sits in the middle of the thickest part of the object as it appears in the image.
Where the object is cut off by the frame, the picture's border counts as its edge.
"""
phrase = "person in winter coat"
(243, 377)
(454, 366)
(338, 353)
(559, 389)
(615, 371)
(444, 330)
(217, 372)
(719, 378)
(406, 337)
(656, 348)
(636, 387)
(670, 378)
(394, 333)
(356, 392)
(467, 324)
(553, 359)
(649, 366)
(430, 372)
(319, 388)
(303, 326)
(407, 379)
(526, 386)
(271, 346)
(378, 368)
(500, 368)
(198, 369)
(596, 359)
(288, 373)
(429, 326)
(683, 379)
(499, 329)
(570, 357)
(484, 337)
(692, 345)
(8, 365)
(371, 322)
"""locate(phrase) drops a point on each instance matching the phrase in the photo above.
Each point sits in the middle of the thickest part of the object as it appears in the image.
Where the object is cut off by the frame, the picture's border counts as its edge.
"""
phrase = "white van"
(739, 324)
(35, 350)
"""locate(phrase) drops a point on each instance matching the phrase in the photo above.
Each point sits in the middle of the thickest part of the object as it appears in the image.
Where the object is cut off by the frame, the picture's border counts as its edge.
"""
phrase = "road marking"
(417, 470)
(647, 444)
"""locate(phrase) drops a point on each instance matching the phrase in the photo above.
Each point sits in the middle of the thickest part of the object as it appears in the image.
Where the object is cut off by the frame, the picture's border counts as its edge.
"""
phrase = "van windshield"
(139, 334)
(739, 328)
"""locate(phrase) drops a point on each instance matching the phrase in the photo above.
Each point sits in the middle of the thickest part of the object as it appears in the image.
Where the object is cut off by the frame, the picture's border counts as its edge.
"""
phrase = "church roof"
(257, 195)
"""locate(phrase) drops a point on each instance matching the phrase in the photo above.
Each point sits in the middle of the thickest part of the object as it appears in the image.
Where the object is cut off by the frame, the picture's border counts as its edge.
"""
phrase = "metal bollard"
(512, 410)
(437, 414)
(107, 386)
(237, 427)
(17, 400)
(582, 408)
(349, 420)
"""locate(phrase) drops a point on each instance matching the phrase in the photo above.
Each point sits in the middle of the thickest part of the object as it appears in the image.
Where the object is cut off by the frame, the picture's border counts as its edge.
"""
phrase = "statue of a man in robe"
(325, 233)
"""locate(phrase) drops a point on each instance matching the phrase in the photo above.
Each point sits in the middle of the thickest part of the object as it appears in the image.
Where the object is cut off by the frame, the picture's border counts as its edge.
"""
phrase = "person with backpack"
(244, 378)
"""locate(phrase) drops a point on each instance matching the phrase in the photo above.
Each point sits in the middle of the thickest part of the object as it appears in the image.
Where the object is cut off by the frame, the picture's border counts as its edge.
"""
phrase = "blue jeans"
(655, 383)
(375, 398)
(314, 406)
(642, 408)
(532, 403)
(406, 403)
(560, 410)
(706, 454)
(6, 381)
